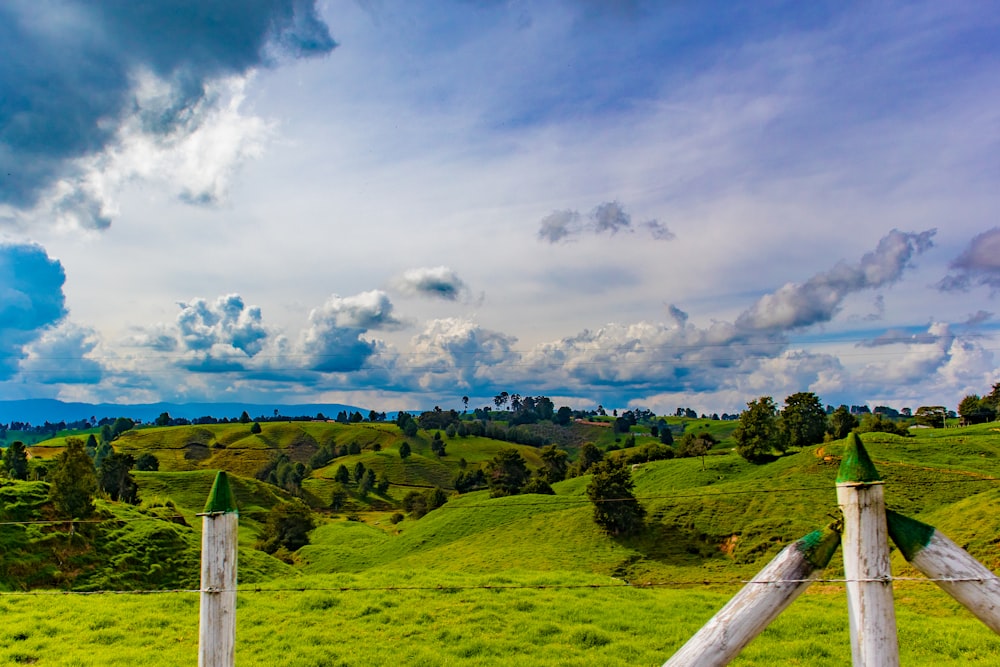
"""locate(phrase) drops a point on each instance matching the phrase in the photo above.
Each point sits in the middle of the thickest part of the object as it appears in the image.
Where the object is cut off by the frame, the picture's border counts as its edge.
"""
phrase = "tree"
(147, 463)
(993, 398)
(367, 482)
(91, 446)
(342, 475)
(359, 471)
(931, 415)
(415, 504)
(538, 485)
(404, 450)
(73, 483)
(616, 509)
(841, 423)
(692, 445)
(15, 460)
(666, 435)
(255, 428)
(506, 473)
(437, 444)
(975, 410)
(115, 479)
(287, 526)
(465, 402)
(163, 419)
(556, 462)
(803, 419)
(121, 425)
(588, 455)
(563, 416)
(757, 434)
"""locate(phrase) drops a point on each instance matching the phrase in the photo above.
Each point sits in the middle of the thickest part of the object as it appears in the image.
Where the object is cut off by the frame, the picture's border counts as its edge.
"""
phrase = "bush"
(287, 526)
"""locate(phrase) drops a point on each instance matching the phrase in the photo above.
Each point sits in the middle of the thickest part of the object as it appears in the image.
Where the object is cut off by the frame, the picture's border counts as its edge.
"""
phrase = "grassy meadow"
(521, 580)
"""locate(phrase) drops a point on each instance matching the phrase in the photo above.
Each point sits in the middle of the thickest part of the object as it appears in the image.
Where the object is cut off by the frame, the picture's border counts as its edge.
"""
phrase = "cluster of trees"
(974, 409)
(419, 503)
(763, 429)
(363, 477)
(282, 471)
(74, 481)
(286, 529)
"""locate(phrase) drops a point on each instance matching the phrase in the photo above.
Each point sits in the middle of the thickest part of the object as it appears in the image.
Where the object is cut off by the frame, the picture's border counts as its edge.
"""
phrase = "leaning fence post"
(217, 627)
(865, 542)
(950, 566)
(759, 602)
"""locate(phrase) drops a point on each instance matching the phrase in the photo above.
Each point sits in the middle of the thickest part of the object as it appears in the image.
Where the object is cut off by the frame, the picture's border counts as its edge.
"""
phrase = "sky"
(397, 204)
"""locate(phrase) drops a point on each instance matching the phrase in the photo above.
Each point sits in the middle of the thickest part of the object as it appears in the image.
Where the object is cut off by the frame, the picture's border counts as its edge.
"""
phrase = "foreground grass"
(428, 618)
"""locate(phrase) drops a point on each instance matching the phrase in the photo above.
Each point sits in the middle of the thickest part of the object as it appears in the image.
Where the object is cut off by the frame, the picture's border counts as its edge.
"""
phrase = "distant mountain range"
(40, 410)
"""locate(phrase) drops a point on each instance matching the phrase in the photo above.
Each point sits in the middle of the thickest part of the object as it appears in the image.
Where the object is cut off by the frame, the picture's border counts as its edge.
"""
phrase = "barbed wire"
(447, 587)
(509, 502)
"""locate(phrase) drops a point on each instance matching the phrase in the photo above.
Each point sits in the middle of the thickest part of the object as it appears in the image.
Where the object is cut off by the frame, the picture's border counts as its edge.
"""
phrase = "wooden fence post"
(949, 565)
(759, 602)
(217, 627)
(865, 542)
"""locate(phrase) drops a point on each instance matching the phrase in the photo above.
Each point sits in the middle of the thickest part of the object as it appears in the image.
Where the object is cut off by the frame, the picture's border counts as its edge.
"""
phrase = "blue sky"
(395, 204)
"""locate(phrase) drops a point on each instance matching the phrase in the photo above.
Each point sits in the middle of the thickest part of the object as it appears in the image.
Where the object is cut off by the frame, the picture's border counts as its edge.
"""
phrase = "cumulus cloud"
(31, 299)
(438, 282)
(979, 264)
(607, 217)
(79, 73)
(453, 351)
(60, 356)
(818, 299)
(227, 322)
(334, 342)
(610, 217)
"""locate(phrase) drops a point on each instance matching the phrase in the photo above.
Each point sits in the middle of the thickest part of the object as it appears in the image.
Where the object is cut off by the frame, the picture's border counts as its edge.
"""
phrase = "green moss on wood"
(909, 535)
(819, 546)
(220, 498)
(856, 466)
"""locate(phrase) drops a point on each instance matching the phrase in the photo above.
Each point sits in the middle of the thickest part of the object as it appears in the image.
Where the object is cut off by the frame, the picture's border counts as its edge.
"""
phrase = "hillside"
(725, 520)
(519, 580)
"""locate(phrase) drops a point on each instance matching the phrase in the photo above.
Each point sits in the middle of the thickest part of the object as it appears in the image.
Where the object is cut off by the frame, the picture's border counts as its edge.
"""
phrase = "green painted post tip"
(220, 498)
(819, 546)
(909, 535)
(856, 466)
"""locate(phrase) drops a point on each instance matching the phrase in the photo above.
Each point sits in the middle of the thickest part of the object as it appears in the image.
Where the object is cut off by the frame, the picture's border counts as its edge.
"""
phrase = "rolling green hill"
(419, 581)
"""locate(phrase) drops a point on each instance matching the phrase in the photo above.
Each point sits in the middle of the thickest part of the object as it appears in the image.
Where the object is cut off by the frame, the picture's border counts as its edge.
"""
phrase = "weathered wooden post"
(220, 525)
(949, 566)
(759, 602)
(865, 542)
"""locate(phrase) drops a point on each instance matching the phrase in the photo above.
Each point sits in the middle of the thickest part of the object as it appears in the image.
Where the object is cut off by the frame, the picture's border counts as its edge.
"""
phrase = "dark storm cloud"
(67, 70)
(31, 300)
(438, 282)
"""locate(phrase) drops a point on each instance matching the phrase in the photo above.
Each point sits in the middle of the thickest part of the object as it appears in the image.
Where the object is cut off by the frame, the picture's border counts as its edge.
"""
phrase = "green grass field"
(420, 617)
(522, 580)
